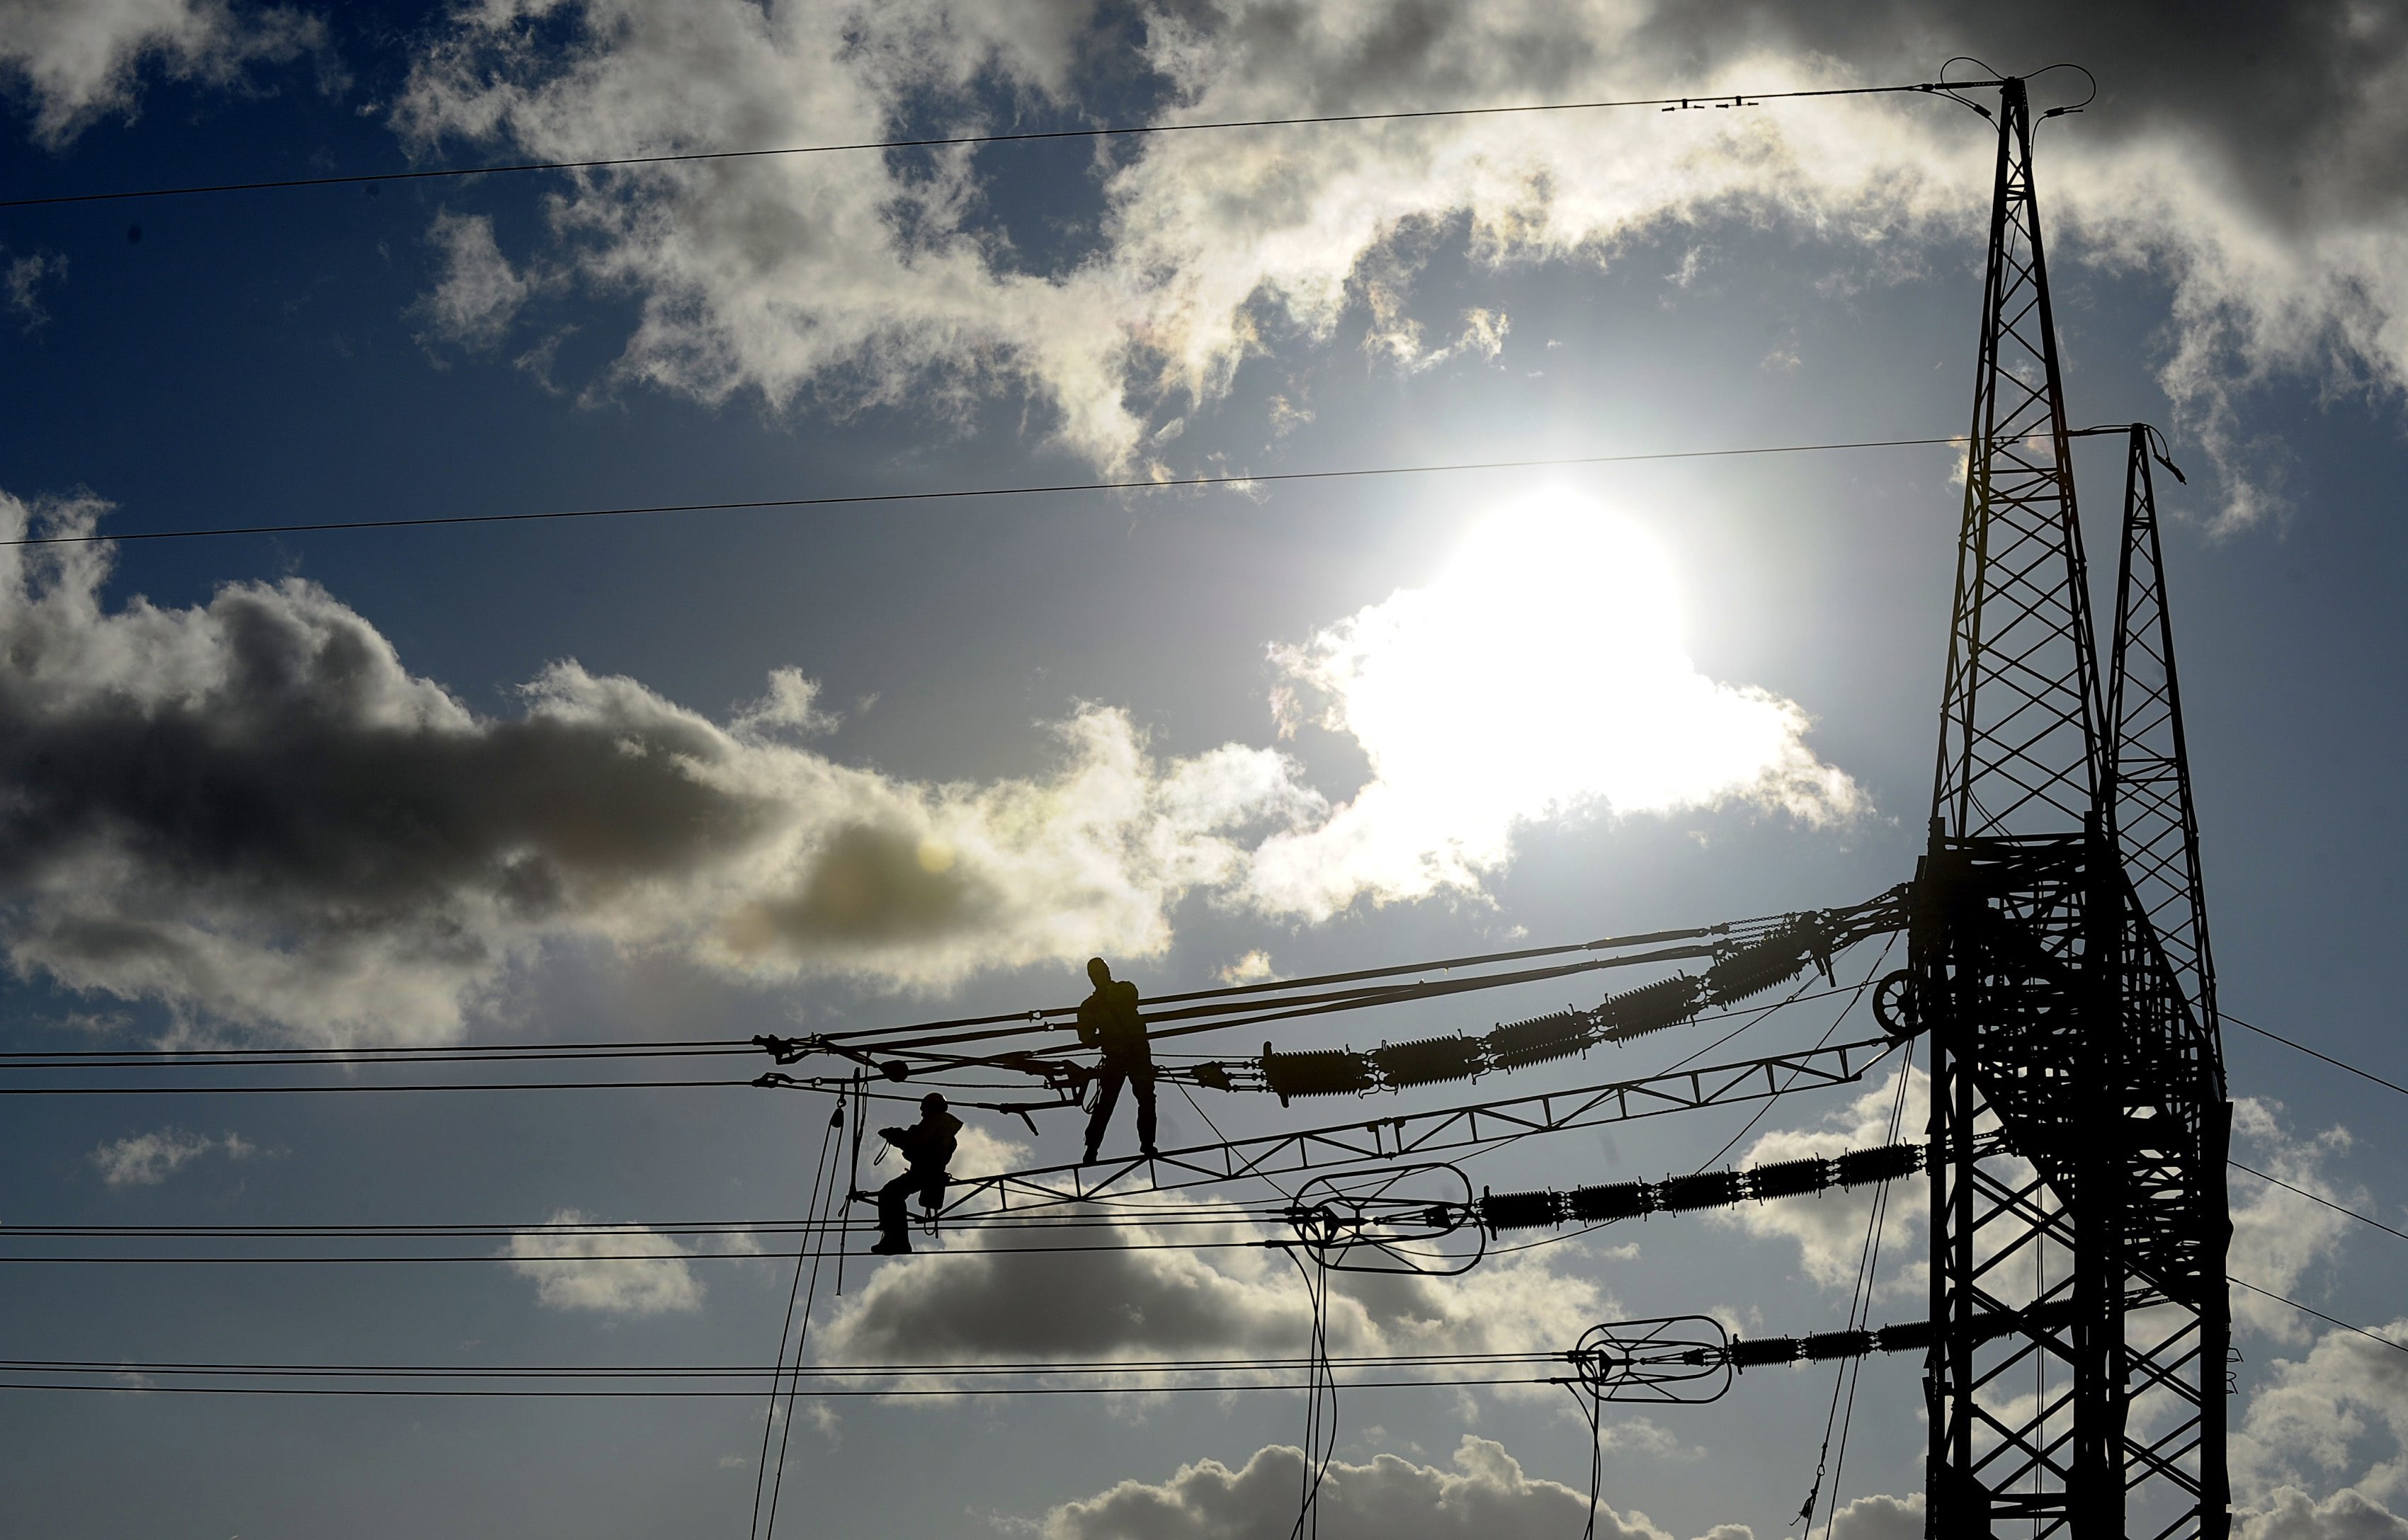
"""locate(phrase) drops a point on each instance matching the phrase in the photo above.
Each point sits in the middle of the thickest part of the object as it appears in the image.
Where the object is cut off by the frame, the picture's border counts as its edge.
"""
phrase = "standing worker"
(928, 1147)
(1109, 1020)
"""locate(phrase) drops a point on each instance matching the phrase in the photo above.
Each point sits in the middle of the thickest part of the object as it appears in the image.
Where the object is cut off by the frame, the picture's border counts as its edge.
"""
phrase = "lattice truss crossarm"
(1409, 1136)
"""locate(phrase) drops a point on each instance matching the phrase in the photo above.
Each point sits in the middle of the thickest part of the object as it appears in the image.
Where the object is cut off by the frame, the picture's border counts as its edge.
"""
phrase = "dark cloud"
(2302, 103)
(310, 773)
(875, 885)
(2297, 102)
(254, 810)
(963, 1306)
(1144, 1298)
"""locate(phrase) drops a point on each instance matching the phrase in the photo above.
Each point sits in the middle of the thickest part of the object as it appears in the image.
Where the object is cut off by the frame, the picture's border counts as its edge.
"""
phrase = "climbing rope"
(1859, 1311)
(822, 1191)
(779, 1383)
(1320, 1432)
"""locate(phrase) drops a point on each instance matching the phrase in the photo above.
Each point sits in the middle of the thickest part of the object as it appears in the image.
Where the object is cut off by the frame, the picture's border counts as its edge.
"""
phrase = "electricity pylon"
(2077, 1097)
(2179, 1212)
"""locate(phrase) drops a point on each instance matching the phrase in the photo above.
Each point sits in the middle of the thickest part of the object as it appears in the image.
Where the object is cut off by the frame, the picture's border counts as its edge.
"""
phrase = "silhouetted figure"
(1109, 1020)
(928, 1147)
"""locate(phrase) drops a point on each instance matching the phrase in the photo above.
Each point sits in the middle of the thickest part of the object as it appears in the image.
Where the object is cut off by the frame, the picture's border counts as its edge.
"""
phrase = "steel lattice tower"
(2077, 1116)
(2179, 1224)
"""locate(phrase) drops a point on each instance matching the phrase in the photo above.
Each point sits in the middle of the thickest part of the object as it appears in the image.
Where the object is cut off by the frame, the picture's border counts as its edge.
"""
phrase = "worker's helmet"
(932, 1103)
(1100, 970)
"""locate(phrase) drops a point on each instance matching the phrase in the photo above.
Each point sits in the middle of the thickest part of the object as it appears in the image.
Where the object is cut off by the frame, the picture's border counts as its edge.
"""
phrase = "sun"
(1558, 564)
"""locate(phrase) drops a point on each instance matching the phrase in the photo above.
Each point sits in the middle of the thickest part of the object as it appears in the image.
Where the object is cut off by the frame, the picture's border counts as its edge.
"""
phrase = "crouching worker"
(928, 1146)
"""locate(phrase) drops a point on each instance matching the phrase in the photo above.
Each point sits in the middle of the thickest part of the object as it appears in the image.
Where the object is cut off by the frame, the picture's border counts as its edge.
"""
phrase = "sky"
(801, 769)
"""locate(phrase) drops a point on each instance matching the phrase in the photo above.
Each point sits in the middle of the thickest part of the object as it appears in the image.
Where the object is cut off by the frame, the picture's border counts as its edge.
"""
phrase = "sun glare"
(1559, 560)
(1542, 673)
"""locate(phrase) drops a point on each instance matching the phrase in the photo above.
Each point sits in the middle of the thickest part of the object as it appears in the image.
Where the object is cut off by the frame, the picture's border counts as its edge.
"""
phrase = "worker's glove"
(891, 1135)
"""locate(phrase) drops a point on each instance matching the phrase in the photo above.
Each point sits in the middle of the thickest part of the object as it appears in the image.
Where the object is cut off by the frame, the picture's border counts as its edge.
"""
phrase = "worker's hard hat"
(932, 1103)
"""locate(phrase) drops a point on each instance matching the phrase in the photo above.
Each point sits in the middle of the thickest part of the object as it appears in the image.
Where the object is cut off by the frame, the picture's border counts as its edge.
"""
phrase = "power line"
(2289, 1043)
(924, 1079)
(959, 140)
(43, 1059)
(2311, 1310)
(964, 493)
(300, 1090)
(2362, 1218)
(1167, 1215)
(178, 1055)
(1857, 995)
(407, 1054)
(981, 1368)
(884, 1040)
(815, 1392)
(299, 1260)
(878, 1041)
(886, 1037)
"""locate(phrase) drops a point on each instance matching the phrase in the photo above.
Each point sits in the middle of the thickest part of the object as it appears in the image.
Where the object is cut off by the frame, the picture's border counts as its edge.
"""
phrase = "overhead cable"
(2311, 1310)
(298, 1091)
(807, 1392)
(428, 1053)
(1253, 1004)
(1167, 1213)
(2289, 1043)
(2311, 1197)
(292, 1259)
(1239, 483)
(421, 1054)
(951, 141)
(985, 1368)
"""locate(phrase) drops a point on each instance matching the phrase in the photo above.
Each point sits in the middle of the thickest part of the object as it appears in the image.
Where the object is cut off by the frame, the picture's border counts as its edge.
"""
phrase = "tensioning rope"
(820, 1171)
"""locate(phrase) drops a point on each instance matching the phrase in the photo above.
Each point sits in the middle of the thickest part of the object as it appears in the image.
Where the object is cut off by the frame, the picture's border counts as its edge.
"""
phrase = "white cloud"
(145, 1159)
(893, 281)
(20, 283)
(851, 278)
(980, 1153)
(1484, 1494)
(2290, 1514)
(1828, 1229)
(252, 810)
(480, 293)
(1252, 968)
(2277, 1236)
(1880, 1518)
(1540, 675)
(2313, 1420)
(1645, 1435)
(609, 1272)
(80, 61)
(789, 705)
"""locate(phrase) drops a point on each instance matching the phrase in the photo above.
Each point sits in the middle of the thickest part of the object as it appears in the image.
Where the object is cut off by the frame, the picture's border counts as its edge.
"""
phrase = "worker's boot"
(895, 1243)
(1089, 1158)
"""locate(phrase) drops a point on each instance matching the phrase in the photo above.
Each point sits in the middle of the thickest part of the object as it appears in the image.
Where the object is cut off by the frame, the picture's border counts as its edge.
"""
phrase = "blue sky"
(375, 786)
